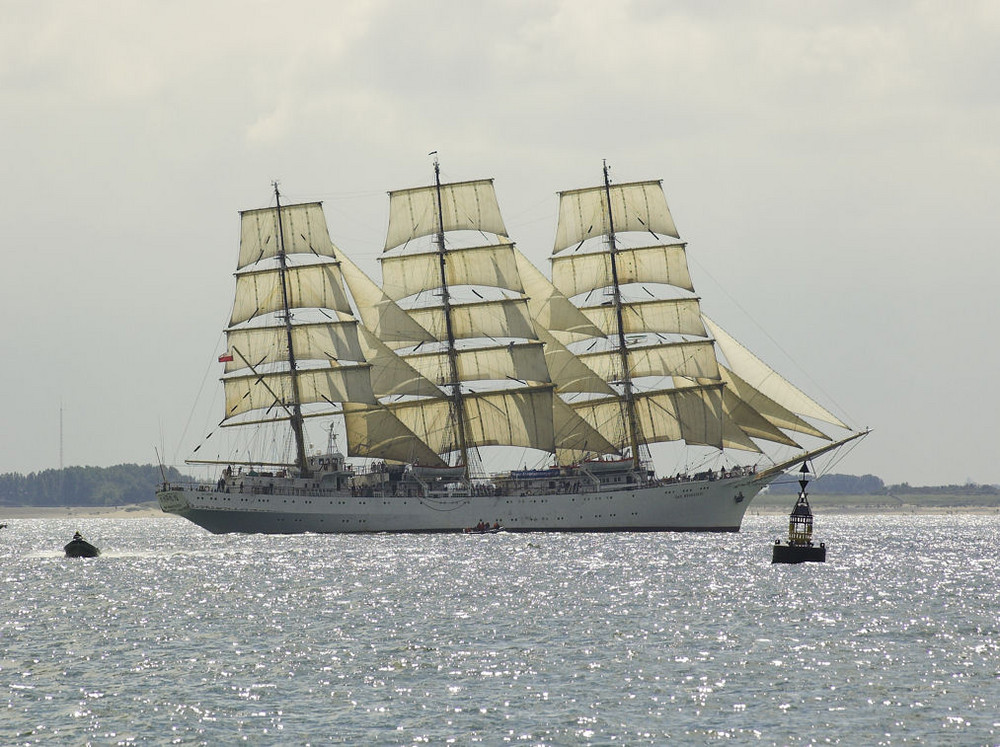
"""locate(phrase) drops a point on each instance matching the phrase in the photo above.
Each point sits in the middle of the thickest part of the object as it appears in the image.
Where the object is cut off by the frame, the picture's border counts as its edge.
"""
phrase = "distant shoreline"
(770, 503)
(905, 509)
(770, 506)
(147, 510)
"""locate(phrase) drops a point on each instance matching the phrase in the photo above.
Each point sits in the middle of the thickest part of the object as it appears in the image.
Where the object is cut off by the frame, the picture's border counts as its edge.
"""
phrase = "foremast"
(286, 315)
(626, 379)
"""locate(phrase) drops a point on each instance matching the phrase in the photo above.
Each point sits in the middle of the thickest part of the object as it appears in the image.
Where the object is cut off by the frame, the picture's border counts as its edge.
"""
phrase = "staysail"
(766, 380)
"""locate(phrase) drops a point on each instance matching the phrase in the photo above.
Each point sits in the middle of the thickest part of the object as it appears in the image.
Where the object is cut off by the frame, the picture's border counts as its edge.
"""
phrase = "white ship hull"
(688, 506)
(654, 378)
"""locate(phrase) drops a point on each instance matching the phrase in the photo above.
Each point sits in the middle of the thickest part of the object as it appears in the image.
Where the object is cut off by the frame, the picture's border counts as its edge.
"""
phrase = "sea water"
(178, 636)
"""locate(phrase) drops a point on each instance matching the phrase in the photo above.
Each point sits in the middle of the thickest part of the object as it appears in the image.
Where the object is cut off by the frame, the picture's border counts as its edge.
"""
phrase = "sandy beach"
(147, 510)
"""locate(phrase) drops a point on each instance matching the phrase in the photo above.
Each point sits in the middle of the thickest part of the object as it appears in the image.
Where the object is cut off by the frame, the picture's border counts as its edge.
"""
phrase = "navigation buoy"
(800, 547)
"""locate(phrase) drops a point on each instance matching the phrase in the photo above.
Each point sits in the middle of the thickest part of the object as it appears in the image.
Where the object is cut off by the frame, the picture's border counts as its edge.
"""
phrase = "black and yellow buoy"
(800, 547)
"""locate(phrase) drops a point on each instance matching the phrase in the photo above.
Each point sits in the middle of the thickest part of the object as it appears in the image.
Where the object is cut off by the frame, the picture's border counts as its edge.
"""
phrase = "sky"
(834, 168)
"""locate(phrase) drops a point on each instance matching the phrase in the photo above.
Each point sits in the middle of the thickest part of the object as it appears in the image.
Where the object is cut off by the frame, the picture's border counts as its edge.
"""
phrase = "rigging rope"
(769, 337)
(197, 398)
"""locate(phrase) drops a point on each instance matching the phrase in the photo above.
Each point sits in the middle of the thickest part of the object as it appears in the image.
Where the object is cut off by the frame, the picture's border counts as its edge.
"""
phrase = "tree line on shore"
(835, 484)
(85, 486)
(137, 483)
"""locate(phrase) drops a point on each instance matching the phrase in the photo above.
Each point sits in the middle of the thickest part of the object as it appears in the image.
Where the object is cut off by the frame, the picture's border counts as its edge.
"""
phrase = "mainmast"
(286, 314)
(458, 403)
(633, 425)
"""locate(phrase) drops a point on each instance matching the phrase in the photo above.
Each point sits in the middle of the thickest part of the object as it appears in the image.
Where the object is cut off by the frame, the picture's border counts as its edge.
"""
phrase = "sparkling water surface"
(178, 636)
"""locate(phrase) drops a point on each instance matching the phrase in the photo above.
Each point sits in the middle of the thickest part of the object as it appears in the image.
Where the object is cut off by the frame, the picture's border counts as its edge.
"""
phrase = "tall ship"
(473, 390)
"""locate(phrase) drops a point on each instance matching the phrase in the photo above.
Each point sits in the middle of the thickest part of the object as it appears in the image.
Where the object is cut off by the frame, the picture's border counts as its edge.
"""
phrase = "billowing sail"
(308, 286)
(507, 317)
(771, 411)
(489, 340)
(376, 433)
(270, 391)
(576, 439)
(744, 421)
(693, 415)
(275, 349)
(391, 375)
(681, 316)
(766, 380)
(470, 206)
(637, 206)
(508, 417)
(523, 361)
(568, 372)
(408, 274)
(664, 263)
(303, 231)
(254, 346)
(380, 314)
(733, 435)
(692, 359)
(549, 307)
(751, 423)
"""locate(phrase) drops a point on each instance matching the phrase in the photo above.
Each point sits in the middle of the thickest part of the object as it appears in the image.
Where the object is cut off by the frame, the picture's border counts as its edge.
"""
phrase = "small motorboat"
(487, 529)
(80, 548)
